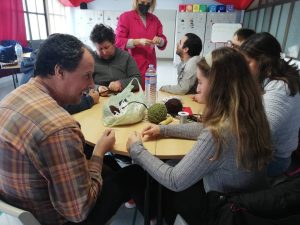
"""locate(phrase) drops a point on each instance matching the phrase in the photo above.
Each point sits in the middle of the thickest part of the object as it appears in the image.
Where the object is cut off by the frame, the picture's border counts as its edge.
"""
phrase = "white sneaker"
(130, 204)
(153, 222)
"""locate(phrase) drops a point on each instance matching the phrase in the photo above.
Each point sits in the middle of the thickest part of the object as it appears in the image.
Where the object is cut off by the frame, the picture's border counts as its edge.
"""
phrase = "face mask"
(144, 8)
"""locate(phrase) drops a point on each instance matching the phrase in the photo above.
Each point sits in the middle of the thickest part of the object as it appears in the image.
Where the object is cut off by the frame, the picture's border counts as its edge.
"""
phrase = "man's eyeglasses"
(231, 45)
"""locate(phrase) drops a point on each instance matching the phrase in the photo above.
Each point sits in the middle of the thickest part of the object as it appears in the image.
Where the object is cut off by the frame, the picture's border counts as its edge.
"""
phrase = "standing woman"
(280, 84)
(139, 31)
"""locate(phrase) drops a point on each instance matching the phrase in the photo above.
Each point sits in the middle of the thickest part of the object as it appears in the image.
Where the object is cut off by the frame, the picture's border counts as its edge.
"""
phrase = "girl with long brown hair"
(233, 144)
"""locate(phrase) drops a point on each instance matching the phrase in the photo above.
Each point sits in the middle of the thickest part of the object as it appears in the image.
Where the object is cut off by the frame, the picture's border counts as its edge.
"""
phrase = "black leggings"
(191, 203)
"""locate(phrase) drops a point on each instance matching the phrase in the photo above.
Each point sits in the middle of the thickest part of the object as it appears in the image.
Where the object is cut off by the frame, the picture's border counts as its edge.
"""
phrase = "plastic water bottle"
(150, 85)
(19, 53)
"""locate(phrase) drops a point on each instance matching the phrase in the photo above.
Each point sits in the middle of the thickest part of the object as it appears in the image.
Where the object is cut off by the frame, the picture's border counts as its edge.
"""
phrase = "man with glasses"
(239, 37)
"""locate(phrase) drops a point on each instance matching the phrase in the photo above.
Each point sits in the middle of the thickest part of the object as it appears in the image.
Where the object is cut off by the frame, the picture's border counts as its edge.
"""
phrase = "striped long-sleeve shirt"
(42, 165)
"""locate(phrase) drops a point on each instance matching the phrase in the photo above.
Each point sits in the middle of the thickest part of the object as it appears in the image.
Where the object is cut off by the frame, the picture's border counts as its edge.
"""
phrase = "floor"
(166, 74)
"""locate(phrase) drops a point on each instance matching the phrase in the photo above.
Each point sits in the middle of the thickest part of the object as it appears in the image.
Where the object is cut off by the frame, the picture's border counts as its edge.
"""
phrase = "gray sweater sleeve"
(188, 80)
(193, 166)
(187, 131)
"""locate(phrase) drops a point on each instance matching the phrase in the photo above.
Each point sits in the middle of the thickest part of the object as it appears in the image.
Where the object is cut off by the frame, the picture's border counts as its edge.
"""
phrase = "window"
(35, 19)
(57, 17)
(293, 40)
(43, 17)
(281, 19)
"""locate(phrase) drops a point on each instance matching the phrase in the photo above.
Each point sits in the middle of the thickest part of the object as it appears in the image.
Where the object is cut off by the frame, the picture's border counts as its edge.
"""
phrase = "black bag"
(279, 204)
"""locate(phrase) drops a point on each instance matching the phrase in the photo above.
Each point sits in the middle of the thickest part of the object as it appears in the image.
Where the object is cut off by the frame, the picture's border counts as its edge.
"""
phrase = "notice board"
(222, 32)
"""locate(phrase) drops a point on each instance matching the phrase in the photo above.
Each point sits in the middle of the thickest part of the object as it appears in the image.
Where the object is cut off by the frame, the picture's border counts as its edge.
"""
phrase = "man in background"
(240, 36)
(188, 49)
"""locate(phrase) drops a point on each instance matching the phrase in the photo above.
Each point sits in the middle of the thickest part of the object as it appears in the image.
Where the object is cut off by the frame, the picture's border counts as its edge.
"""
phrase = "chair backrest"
(10, 215)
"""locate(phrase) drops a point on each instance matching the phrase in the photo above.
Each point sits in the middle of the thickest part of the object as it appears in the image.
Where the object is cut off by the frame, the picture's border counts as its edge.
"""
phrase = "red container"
(182, 8)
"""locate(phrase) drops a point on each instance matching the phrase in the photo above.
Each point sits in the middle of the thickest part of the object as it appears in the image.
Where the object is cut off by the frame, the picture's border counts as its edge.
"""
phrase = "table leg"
(147, 201)
(15, 80)
(159, 205)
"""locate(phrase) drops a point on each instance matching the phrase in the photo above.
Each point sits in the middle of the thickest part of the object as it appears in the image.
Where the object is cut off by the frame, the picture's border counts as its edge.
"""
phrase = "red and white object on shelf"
(238, 4)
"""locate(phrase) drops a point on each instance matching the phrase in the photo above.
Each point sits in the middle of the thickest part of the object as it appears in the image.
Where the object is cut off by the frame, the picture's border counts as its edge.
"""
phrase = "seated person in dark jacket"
(114, 67)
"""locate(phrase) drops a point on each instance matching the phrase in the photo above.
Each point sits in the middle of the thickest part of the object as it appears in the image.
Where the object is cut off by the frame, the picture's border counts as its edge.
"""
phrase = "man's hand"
(105, 143)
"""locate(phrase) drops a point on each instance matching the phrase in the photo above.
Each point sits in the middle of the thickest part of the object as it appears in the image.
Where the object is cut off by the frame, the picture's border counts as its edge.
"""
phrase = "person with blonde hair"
(139, 31)
(232, 148)
(279, 82)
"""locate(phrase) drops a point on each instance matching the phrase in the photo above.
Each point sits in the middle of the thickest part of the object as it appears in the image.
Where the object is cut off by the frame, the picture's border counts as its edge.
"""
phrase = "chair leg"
(134, 216)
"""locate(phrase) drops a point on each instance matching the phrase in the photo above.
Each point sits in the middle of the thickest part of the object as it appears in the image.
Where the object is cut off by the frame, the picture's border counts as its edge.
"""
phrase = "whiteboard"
(222, 32)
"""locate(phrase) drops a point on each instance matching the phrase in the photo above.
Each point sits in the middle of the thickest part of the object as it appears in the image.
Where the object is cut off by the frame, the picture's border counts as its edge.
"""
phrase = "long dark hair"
(234, 104)
(266, 50)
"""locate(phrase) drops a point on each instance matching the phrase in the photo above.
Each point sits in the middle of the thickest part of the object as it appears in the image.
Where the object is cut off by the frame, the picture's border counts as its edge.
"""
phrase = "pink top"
(131, 26)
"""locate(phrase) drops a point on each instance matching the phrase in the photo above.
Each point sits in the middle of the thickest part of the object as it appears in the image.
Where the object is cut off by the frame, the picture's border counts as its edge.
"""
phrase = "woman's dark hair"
(58, 49)
(101, 33)
(194, 43)
(266, 50)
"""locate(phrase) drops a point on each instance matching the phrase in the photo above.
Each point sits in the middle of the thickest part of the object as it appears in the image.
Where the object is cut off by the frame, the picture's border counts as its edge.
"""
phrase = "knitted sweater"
(218, 175)
(283, 113)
